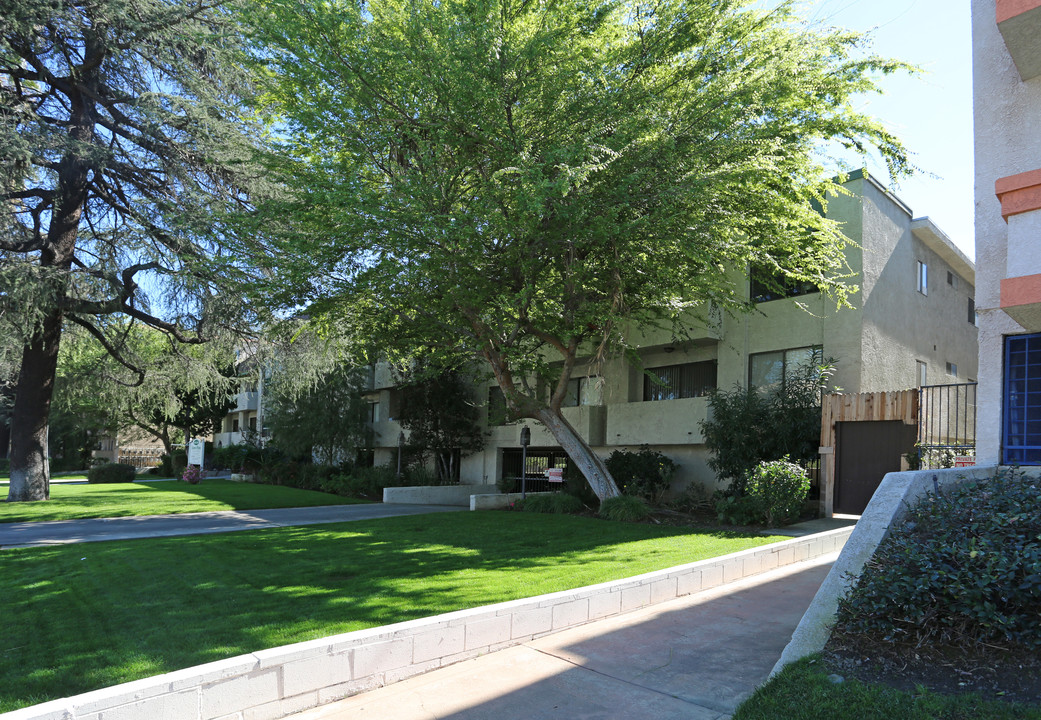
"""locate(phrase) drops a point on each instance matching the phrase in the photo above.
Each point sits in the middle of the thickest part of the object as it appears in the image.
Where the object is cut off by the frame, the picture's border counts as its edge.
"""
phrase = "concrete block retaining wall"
(274, 683)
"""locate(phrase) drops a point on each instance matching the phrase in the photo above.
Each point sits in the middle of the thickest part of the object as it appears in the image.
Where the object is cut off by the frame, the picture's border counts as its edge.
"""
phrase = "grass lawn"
(71, 502)
(803, 692)
(86, 616)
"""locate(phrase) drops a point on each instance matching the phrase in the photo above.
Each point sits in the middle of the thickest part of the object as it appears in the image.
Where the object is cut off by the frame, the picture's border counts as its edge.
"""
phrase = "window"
(1021, 431)
(497, 414)
(372, 411)
(672, 382)
(972, 311)
(235, 425)
(922, 271)
(952, 369)
(580, 391)
(771, 369)
(923, 373)
(253, 423)
(952, 279)
(765, 285)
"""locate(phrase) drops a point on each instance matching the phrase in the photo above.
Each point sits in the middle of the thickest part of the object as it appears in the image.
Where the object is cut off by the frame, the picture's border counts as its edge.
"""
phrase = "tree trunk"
(587, 461)
(30, 469)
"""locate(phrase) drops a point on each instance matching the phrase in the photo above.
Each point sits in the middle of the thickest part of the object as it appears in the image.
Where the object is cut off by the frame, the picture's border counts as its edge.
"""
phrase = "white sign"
(196, 449)
(964, 461)
(555, 474)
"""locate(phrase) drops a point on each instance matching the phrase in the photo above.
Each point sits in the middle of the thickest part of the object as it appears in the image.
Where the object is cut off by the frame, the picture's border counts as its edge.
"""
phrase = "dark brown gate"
(866, 451)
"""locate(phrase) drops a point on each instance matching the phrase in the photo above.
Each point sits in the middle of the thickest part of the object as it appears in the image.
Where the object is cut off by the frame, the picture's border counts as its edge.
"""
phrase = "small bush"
(554, 503)
(736, 510)
(778, 489)
(624, 508)
(644, 474)
(694, 498)
(111, 473)
(5, 466)
(965, 569)
(173, 464)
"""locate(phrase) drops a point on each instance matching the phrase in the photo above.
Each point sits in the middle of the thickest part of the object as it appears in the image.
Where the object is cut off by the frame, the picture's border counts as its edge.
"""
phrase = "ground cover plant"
(73, 502)
(804, 691)
(943, 622)
(87, 616)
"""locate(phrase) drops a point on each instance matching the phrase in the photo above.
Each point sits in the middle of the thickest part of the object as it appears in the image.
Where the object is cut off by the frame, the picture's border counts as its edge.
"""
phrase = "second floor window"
(765, 286)
(580, 391)
(673, 382)
(922, 273)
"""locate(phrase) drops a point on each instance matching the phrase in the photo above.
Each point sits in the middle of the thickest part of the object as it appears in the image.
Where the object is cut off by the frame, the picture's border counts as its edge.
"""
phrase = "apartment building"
(1007, 114)
(911, 323)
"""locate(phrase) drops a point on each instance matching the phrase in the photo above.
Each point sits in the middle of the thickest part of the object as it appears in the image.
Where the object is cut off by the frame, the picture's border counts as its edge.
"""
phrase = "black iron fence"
(140, 457)
(534, 469)
(946, 425)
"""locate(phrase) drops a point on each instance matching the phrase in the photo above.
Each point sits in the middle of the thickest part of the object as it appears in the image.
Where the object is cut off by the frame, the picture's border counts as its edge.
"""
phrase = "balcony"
(1019, 22)
(659, 422)
(1020, 197)
(246, 401)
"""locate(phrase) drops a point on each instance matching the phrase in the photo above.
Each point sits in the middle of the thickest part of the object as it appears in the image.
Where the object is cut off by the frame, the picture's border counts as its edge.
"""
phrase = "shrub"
(735, 510)
(778, 489)
(964, 569)
(644, 474)
(192, 475)
(111, 473)
(624, 508)
(5, 466)
(749, 425)
(173, 464)
(554, 503)
(694, 498)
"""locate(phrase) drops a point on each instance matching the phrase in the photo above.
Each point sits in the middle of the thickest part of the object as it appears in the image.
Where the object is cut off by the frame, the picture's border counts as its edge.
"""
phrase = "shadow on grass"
(87, 616)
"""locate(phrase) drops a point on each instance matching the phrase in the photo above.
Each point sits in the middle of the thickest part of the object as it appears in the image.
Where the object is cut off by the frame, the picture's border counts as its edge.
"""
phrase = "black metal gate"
(539, 460)
(946, 424)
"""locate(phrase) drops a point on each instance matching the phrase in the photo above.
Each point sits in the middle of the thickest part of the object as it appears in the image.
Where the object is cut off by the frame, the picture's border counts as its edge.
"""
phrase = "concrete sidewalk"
(60, 532)
(693, 658)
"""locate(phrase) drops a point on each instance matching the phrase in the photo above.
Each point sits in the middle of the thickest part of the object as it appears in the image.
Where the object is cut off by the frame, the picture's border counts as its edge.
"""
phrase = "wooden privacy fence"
(896, 405)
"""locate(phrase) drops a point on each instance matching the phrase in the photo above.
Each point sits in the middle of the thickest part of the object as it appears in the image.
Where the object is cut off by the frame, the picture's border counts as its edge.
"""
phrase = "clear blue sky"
(930, 112)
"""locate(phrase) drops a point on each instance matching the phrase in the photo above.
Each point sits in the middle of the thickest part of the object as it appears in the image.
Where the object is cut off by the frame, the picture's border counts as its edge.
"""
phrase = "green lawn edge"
(803, 691)
(86, 501)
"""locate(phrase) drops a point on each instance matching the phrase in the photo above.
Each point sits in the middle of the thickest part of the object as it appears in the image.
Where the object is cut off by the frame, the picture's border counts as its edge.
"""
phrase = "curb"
(274, 683)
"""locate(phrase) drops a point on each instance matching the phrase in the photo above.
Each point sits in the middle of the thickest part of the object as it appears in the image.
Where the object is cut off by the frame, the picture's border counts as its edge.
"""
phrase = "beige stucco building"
(911, 323)
(1007, 115)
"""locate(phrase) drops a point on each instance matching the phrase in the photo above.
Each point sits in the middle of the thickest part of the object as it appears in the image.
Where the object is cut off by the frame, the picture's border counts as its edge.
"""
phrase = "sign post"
(196, 455)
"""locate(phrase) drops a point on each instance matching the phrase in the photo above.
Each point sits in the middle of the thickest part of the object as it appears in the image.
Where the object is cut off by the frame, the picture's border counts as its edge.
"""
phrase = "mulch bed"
(991, 672)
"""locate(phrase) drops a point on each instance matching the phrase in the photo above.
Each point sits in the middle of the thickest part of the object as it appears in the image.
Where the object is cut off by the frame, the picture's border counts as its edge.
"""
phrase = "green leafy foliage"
(521, 182)
(645, 473)
(624, 508)
(736, 509)
(747, 426)
(325, 419)
(441, 418)
(111, 473)
(554, 503)
(964, 569)
(778, 489)
(117, 188)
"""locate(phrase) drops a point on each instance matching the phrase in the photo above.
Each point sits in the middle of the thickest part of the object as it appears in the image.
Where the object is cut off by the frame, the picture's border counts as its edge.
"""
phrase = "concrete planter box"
(436, 494)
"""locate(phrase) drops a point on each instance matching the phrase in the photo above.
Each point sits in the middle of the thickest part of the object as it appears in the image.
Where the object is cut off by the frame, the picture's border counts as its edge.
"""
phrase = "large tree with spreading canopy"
(124, 143)
(517, 182)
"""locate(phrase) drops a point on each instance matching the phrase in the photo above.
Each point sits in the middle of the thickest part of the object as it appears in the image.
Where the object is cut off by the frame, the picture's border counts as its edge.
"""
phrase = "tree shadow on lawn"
(92, 615)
